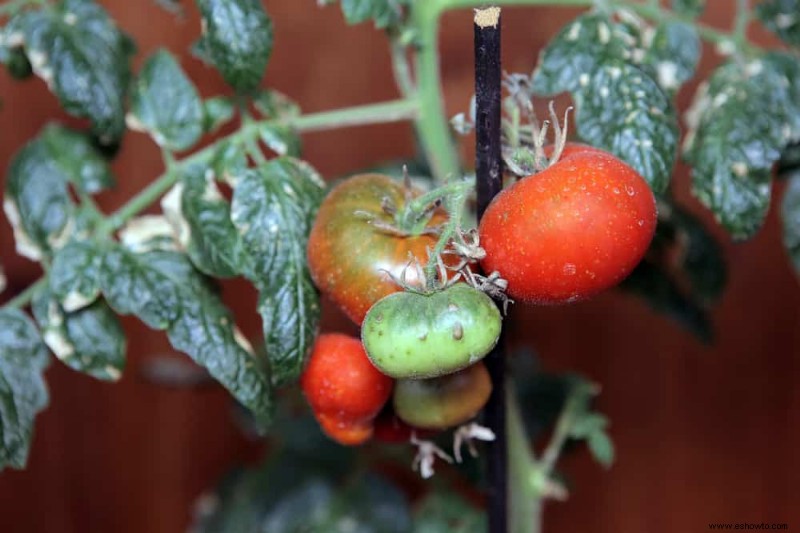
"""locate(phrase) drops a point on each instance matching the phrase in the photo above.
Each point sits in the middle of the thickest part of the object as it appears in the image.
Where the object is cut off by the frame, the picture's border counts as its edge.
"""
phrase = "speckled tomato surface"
(345, 391)
(349, 257)
(570, 231)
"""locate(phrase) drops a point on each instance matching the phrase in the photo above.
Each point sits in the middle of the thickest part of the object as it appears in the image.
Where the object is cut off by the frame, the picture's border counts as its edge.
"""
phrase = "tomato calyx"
(413, 218)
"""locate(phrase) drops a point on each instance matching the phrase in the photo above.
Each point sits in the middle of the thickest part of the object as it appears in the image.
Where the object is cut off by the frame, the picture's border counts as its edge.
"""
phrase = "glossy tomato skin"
(411, 335)
(348, 257)
(345, 391)
(443, 402)
(570, 231)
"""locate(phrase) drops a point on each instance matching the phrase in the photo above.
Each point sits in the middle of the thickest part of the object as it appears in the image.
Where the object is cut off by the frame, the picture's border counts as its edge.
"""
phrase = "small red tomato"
(345, 391)
(570, 231)
(390, 429)
(344, 432)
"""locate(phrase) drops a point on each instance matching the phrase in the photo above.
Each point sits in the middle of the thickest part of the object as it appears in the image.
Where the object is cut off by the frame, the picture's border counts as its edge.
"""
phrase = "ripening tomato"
(348, 256)
(412, 335)
(345, 391)
(443, 402)
(570, 231)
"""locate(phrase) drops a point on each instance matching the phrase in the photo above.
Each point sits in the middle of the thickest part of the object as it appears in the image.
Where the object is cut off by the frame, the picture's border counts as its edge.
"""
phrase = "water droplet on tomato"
(569, 269)
(640, 222)
(630, 190)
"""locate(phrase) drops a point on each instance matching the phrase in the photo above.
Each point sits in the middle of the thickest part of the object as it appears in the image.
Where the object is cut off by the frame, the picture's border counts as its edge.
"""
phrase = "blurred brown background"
(702, 434)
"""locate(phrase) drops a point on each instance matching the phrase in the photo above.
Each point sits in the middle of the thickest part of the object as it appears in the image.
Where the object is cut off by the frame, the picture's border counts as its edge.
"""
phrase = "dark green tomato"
(443, 402)
(410, 335)
(348, 257)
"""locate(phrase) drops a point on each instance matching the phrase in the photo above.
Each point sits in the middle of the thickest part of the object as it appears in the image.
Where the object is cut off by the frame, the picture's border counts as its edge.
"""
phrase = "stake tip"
(486, 17)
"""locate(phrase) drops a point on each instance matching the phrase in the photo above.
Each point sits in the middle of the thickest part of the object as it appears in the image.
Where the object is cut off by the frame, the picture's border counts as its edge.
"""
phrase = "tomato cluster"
(561, 235)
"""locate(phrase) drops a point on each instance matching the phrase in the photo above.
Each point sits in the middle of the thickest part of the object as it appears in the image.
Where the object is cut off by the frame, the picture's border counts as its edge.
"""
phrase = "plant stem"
(24, 298)
(489, 182)
(353, 116)
(402, 70)
(432, 125)
(741, 22)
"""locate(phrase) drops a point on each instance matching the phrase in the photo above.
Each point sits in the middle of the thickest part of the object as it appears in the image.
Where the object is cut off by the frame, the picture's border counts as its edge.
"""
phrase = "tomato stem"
(488, 173)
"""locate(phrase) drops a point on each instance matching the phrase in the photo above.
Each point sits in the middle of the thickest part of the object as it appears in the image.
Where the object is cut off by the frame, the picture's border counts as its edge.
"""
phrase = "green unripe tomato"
(442, 402)
(412, 335)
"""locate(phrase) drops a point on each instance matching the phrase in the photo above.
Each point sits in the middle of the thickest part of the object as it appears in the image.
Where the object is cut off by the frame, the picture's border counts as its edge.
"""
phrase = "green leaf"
(75, 274)
(76, 157)
(282, 140)
(601, 447)
(623, 111)
(790, 215)
(37, 201)
(229, 161)
(689, 8)
(657, 288)
(165, 104)
(701, 256)
(445, 512)
(385, 13)
(781, 17)
(217, 111)
(202, 218)
(569, 60)
(739, 123)
(237, 34)
(12, 52)
(76, 48)
(673, 54)
(163, 289)
(273, 209)
(274, 105)
(89, 340)
(23, 393)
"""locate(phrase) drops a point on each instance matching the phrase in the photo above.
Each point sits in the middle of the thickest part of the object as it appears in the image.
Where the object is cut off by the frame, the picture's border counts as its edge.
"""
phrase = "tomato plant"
(570, 231)
(343, 388)
(426, 272)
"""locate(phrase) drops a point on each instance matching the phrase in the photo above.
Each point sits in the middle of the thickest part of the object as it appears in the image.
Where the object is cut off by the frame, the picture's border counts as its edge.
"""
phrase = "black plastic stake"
(488, 169)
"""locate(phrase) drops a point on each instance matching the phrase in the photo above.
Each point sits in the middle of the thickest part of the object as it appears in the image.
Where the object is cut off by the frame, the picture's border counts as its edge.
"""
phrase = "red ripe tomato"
(570, 231)
(345, 391)
(348, 256)
(390, 429)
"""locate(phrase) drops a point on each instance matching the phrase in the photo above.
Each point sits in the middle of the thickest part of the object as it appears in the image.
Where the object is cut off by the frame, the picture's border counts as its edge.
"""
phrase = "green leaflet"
(650, 281)
(571, 57)
(79, 162)
(89, 340)
(291, 493)
(781, 17)
(75, 274)
(673, 55)
(23, 393)
(385, 13)
(163, 289)
(605, 63)
(739, 123)
(623, 110)
(76, 48)
(237, 36)
(202, 217)
(37, 201)
(273, 209)
(446, 512)
(217, 111)
(689, 8)
(166, 105)
(790, 215)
